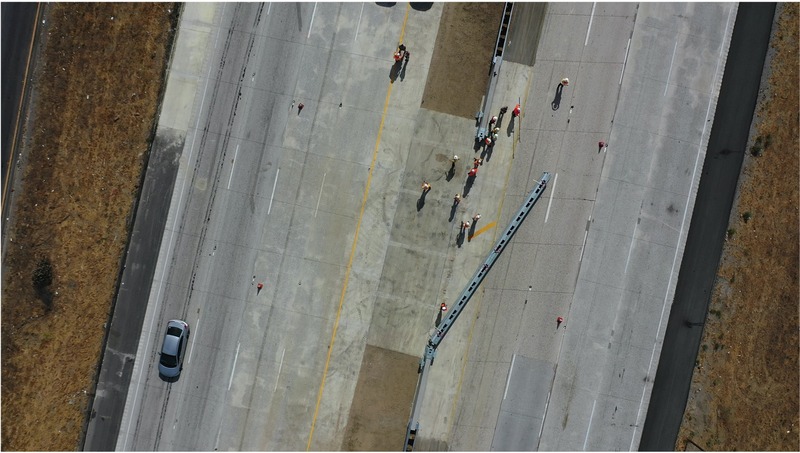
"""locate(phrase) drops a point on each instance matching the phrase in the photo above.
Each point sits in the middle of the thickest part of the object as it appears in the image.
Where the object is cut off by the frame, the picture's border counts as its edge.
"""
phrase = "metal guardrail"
(494, 69)
(438, 335)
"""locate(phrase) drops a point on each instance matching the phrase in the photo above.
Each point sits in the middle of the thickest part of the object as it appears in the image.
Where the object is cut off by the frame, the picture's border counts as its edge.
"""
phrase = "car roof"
(170, 345)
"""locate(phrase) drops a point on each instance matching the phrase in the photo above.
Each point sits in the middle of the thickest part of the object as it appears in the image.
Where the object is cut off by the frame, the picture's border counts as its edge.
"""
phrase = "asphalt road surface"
(18, 25)
(726, 148)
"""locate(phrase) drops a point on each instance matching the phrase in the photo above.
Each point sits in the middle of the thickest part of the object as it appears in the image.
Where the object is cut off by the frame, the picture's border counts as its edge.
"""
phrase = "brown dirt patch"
(744, 393)
(94, 101)
(462, 56)
(382, 402)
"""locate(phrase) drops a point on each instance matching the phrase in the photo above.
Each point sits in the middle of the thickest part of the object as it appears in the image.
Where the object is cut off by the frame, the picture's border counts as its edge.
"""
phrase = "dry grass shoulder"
(744, 393)
(95, 98)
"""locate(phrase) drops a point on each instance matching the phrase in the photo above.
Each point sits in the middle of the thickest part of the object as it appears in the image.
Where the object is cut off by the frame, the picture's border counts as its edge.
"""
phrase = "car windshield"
(169, 360)
(174, 331)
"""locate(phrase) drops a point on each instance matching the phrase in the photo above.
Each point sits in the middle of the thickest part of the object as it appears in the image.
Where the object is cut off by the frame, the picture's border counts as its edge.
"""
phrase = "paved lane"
(265, 193)
(18, 27)
(601, 254)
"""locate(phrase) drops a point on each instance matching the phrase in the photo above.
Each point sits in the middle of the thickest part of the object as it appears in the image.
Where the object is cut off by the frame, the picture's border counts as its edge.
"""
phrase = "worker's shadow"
(486, 154)
(395, 71)
(453, 210)
(403, 71)
(510, 128)
(438, 318)
(450, 173)
(460, 237)
(500, 121)
(468, 185)
(557, 100)
(471, 231)
(421, 200)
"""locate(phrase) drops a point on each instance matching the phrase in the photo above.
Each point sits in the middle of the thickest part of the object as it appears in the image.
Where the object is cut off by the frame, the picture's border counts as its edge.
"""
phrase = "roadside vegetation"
(744, 393)
(97, 82)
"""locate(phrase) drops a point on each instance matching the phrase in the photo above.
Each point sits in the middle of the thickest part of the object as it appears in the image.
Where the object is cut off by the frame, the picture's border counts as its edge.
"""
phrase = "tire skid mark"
(190, 195)
(218, 157)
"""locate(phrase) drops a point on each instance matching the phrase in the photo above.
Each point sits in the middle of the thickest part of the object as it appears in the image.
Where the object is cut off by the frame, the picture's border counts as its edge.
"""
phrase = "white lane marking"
(683, 224)
(169, 251)
(541, 427)
(625, 61)
(590, 25)
(312, 20)
(586, 439)
(583, 246)
(320, 194)
(552, 191)
(235, 358)
(216, 442)
(275, 184)
(269, 7)
(233, 164)
(221, 16)
(669, 73)
(508, 379)
(630, 247)
(278, 378)
(194, 337)
(359, 22)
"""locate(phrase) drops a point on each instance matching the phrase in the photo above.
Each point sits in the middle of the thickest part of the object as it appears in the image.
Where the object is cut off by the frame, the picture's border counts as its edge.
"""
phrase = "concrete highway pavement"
(320, 205)
(267, 193)
(603, 254)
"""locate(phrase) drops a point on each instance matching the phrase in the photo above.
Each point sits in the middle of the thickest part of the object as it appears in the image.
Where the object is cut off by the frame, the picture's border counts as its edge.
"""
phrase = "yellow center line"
(19, 108)
(353, 248)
